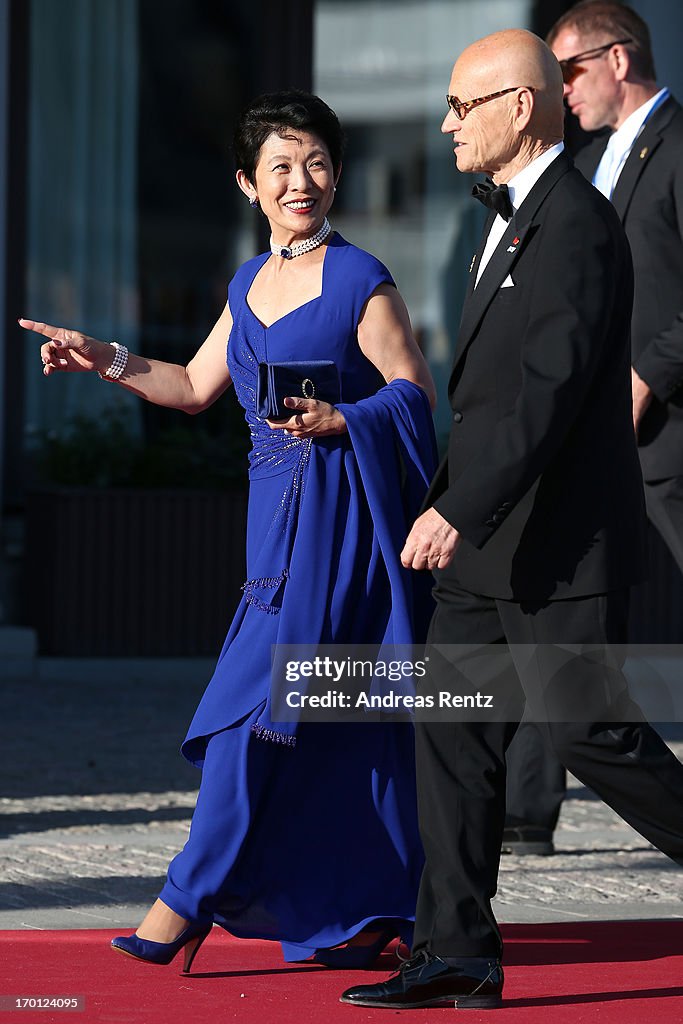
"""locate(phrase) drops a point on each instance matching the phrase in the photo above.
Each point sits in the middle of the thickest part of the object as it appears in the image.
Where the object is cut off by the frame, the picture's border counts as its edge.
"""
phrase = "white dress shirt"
(621, 143)
(519, 188)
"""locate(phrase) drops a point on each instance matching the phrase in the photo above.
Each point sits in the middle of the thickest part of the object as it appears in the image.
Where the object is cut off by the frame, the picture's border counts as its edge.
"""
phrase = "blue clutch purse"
(277, 381)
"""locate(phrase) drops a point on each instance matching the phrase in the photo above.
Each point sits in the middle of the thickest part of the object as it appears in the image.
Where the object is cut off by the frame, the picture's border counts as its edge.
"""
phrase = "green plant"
(105, 452)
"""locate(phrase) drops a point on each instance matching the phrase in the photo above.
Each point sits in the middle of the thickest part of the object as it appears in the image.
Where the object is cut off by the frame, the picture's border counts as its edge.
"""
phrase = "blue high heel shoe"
(190, 939)
(357, 958)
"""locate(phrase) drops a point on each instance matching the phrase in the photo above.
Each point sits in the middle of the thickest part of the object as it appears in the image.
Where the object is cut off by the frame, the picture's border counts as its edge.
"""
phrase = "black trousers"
(461, 768)
(664, 501)
(536, 779)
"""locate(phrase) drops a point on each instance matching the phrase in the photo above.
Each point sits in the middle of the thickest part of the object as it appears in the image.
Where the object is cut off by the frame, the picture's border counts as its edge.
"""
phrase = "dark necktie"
(495, 197)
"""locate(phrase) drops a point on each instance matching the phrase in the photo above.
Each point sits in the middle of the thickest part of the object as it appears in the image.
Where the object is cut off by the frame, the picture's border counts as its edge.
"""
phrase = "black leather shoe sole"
(478, 1002)
(528, 840)
(522, 849)
(459, 1002)
(474, 983)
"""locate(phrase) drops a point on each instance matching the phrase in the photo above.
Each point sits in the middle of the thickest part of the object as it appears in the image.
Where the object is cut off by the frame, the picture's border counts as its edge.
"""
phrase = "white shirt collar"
(623, 138)
(519, 188)
(521, 185)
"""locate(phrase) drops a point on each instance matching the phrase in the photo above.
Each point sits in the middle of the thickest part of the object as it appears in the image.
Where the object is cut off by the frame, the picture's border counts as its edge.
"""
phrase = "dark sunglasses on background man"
(571, 66)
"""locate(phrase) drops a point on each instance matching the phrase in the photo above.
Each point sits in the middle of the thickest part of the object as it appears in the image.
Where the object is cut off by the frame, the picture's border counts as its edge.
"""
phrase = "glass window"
(134, 224)
(384, 67)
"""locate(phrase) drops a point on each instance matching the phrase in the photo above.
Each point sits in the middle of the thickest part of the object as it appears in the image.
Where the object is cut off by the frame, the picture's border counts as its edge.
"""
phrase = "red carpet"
(614, 972)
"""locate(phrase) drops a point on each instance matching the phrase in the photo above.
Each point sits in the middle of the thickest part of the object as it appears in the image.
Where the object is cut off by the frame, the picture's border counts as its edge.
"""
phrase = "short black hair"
(615, 21)
(280, 112)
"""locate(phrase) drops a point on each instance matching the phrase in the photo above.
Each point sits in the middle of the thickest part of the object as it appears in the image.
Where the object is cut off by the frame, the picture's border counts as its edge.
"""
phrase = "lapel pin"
(515, 243)
(643, 153)
(472, 263)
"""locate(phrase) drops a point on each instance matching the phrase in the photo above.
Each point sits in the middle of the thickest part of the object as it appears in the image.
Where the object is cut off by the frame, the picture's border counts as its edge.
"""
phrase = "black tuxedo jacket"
(542, 477)
(648, 198)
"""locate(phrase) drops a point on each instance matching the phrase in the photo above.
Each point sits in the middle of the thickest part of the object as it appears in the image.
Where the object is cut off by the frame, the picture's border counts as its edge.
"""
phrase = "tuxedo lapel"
(499, 266)
(641, 152)
(476, 259)
(505, 255)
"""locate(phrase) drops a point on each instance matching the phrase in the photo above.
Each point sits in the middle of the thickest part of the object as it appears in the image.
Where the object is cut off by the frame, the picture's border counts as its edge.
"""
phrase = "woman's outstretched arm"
(190, 388)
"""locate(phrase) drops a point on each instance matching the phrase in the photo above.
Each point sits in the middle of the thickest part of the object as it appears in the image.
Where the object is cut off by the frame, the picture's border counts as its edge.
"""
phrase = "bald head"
(505, 104)
(516, 57)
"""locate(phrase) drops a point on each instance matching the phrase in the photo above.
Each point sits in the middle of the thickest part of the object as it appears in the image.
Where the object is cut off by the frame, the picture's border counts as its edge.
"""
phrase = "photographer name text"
(387, 701)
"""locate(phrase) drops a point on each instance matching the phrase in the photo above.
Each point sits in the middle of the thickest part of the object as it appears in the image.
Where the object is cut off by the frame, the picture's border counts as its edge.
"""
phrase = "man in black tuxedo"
(606, 57)
(533, 524)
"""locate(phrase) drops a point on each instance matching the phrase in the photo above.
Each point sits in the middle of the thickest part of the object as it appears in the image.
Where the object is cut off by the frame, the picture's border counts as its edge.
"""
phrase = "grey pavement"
(95, 800)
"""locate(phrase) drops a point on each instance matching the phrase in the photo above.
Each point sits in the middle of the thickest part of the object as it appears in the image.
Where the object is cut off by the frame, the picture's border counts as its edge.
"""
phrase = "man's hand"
(642, 396)
(431, 543)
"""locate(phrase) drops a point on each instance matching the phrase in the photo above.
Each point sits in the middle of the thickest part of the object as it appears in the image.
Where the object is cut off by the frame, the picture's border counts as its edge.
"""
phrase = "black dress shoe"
(527, 839)
(474, 982)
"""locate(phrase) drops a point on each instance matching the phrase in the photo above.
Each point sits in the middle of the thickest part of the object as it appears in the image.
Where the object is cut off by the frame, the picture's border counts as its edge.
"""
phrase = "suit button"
(457, 416)
(497, 519)
(491, 522)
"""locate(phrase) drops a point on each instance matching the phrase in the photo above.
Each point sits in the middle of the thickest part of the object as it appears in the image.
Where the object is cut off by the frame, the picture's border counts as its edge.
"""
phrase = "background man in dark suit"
(606, 57)
(534, 519)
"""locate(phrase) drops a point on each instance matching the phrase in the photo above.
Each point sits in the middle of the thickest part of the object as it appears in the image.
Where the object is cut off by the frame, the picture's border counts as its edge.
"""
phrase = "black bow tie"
(496, 197)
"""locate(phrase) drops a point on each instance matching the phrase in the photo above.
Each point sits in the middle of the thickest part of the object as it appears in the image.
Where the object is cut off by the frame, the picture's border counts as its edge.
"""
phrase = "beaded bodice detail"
(272, 451)
(323, 328)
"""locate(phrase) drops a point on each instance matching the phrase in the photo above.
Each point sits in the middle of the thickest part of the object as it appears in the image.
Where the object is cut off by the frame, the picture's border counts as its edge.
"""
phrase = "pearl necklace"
(288, 252)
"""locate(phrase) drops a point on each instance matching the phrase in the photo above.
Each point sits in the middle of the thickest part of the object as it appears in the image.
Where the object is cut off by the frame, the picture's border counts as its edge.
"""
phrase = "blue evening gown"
(305, 833)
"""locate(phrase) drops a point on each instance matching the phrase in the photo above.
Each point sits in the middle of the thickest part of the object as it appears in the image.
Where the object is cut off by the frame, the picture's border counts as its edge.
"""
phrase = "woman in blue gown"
(303, 832)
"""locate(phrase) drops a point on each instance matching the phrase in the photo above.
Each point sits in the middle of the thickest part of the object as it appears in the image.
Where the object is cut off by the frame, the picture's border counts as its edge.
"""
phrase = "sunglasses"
(462, 107)
(571, 67)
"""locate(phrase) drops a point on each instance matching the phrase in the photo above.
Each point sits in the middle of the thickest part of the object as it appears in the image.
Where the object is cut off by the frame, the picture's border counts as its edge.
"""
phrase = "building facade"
(119, 216)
